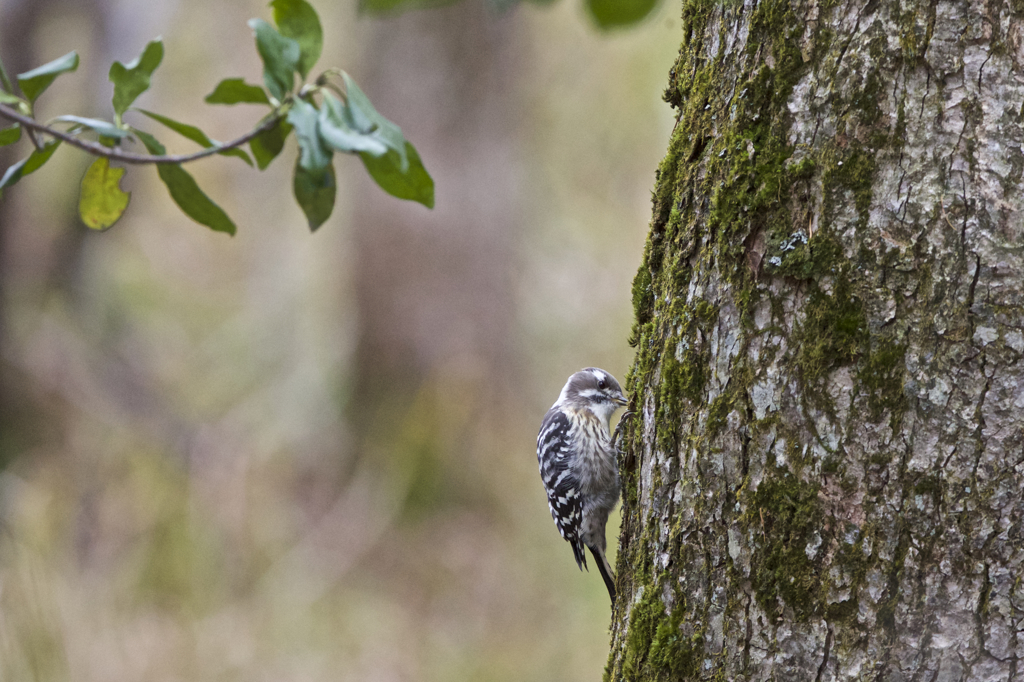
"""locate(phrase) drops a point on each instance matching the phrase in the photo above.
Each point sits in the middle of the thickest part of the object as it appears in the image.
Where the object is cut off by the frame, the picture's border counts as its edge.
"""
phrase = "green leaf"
(184, 129)
(237, 91)
(101, 202)
(10, 135)
(313, 155)
(395, 6)
(6, 98)
(334, 125)
(238, 153)
(192, 200)
(34, 82)
(267, 145)
(153, 145)
(104, 128)
(414, 183)
(297, 20)
(195, 134)
(186, 193)
(366, 119)
(280, 56)
(502, 6)
(132, 79)
(5, 81)
(616, 13)
(315, 193)
(38, 157)
(29, 165)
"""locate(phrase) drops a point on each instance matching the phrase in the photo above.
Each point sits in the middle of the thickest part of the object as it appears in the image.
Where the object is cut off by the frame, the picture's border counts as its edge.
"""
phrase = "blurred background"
(284, 456)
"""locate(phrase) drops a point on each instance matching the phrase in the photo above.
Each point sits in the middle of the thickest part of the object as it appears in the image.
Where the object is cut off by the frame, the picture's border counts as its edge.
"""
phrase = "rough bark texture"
(823, 478)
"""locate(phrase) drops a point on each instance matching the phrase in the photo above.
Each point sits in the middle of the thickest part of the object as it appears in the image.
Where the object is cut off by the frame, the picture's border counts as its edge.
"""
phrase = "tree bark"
(823, 477)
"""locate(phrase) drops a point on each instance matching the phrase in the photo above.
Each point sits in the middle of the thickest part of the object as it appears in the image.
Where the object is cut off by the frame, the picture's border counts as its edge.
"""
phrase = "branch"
(116, 154)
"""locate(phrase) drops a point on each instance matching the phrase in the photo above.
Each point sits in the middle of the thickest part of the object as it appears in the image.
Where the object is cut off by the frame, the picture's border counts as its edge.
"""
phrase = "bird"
(578, 464)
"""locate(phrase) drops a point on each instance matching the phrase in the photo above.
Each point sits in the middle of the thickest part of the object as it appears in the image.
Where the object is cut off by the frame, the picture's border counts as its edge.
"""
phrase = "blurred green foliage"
(188, 494)
(607, 14)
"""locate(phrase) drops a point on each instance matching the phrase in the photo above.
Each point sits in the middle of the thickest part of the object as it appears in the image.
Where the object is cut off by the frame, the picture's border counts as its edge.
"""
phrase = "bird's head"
(595, 390)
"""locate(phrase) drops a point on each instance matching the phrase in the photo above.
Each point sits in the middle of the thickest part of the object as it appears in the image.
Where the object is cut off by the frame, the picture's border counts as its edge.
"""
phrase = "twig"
(116, 154)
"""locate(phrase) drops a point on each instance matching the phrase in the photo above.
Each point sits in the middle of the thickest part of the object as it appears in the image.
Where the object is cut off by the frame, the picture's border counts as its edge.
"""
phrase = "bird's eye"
(602, 384)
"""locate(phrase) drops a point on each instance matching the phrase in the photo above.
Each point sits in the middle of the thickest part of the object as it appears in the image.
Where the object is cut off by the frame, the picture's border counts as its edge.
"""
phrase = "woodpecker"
(577, 460)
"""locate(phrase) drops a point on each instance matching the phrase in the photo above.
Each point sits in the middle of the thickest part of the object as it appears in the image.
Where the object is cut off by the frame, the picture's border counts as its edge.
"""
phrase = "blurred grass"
(191, 506)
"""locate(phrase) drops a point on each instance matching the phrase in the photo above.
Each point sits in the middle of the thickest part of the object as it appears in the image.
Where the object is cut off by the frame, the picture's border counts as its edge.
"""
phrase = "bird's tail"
(579, 553)
(606, 571)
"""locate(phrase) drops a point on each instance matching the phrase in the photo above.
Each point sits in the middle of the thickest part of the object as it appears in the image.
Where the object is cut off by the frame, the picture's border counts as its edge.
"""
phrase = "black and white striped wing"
(555, 455)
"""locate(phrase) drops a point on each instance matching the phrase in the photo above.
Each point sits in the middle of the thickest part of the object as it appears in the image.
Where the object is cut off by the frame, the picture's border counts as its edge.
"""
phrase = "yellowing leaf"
(101, 201)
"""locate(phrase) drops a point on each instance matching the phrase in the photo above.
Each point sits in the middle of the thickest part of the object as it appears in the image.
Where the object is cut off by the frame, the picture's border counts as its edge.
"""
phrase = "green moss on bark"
(796, 255)
(786, 519)
(656, 647)
(834, 332)
(882, 378)
(737, 207)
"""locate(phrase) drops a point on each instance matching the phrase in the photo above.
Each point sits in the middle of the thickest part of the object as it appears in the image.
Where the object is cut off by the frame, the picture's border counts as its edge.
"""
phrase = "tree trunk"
(823, 477)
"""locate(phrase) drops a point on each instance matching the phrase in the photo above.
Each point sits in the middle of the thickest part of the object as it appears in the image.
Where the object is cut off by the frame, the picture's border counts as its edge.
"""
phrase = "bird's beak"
(621, 400)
